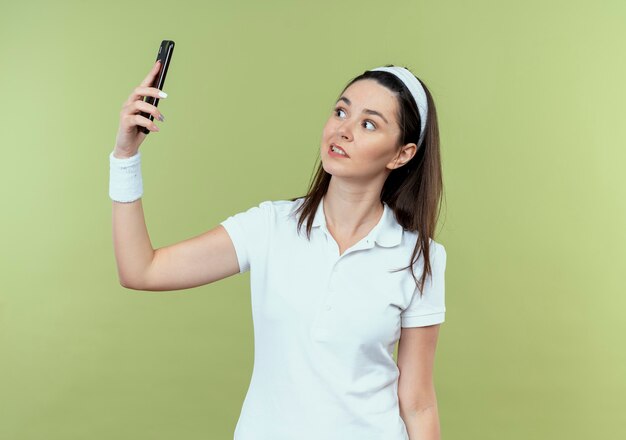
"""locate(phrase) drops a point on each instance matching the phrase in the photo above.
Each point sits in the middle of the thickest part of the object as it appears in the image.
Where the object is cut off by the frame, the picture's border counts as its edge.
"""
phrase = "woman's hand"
(129, 136)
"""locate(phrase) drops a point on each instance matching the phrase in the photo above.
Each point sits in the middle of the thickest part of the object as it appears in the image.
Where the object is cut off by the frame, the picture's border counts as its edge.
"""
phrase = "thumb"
(148, 80)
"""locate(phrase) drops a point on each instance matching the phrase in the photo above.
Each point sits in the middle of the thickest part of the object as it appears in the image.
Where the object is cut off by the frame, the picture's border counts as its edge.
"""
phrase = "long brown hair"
(413, 191)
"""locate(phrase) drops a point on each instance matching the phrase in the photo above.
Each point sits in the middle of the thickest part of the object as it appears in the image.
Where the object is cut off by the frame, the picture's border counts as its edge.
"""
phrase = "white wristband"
(125, 181)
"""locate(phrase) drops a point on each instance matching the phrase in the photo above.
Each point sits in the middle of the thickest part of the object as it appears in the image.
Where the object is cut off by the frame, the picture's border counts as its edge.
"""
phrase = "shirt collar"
(387, 232)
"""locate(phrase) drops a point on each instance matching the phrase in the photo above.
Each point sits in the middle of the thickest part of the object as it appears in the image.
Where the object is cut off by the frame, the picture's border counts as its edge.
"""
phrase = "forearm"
(422, 424)
(133, 249)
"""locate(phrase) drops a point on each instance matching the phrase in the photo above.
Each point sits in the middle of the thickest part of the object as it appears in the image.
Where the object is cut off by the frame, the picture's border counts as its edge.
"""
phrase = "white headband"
(416, 89)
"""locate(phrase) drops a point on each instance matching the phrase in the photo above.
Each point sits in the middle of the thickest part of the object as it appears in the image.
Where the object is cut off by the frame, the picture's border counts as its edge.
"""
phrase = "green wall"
(530, 97)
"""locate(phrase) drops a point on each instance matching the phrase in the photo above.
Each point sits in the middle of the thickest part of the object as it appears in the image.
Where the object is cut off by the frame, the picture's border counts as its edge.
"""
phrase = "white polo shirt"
(325, 326)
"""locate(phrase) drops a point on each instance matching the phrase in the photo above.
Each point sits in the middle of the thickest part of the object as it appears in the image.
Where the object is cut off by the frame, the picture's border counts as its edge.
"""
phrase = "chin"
(325, 167)
(328, 167)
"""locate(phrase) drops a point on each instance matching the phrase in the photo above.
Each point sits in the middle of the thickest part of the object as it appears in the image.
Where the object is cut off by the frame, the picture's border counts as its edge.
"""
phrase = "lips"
(338, 147)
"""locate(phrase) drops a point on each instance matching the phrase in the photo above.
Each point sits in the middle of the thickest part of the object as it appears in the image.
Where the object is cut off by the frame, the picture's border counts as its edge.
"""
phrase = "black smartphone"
(165, 55)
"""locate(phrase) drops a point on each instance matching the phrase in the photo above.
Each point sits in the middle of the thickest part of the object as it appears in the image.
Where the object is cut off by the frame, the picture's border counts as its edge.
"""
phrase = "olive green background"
(530, 97)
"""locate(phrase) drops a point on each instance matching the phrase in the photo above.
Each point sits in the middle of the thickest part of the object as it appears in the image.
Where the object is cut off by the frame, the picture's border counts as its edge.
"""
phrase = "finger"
(147, 81)
(140, 92)
(142, 106)
(145, 122)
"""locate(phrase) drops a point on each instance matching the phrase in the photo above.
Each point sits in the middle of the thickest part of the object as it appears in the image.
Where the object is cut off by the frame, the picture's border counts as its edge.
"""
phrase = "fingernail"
(162, 94)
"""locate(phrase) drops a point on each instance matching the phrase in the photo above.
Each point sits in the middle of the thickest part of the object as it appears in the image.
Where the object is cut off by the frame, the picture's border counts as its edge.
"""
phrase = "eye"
(339, 109)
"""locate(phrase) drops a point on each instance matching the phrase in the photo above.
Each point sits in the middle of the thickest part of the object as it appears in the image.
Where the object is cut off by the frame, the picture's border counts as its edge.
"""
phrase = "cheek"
(327, 130)
(375, 155)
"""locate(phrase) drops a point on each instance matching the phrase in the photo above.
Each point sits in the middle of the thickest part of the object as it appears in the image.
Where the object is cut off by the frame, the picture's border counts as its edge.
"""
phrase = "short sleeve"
(429, 308)
(249, 230)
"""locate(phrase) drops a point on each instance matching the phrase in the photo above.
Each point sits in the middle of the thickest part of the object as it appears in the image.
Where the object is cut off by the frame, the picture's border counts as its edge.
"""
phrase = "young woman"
(329, 304)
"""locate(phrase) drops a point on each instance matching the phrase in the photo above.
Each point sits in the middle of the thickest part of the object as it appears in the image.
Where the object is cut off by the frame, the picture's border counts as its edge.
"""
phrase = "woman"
(329, 305)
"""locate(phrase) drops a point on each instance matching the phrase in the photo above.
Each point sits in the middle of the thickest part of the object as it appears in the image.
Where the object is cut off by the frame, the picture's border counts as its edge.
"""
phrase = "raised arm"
(193, 262)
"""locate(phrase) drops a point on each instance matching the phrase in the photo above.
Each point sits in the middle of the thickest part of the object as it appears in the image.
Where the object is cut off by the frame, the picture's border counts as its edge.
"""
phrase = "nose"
(344, 131)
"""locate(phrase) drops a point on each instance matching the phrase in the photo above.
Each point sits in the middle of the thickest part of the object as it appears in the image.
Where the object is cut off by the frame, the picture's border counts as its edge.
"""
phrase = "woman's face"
(363, 123)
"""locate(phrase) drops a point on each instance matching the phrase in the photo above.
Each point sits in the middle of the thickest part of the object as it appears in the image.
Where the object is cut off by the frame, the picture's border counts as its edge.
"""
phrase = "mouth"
(336, 149)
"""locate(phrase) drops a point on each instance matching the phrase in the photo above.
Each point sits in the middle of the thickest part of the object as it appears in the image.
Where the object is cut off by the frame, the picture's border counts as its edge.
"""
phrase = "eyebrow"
(367, 110)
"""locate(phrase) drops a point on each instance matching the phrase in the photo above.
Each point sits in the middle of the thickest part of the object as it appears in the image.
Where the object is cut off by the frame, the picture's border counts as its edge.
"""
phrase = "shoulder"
(436, 248)
(411, 238)
(276, 205)
(285, 207)
(279, 206)
(278, 210)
